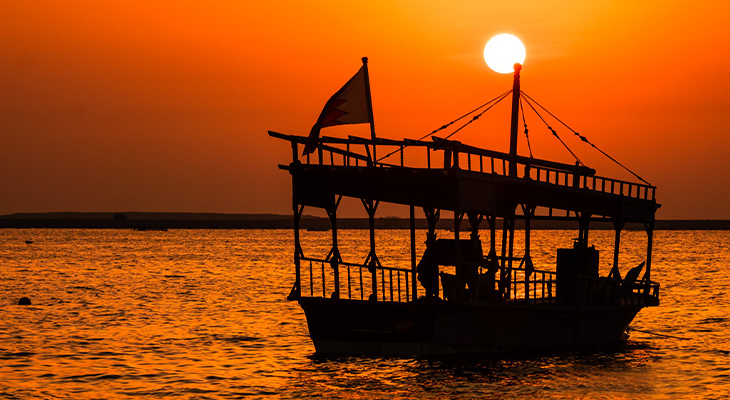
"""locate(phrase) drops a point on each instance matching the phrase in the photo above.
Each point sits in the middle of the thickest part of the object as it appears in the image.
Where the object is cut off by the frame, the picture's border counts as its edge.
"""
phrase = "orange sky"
(165, 105)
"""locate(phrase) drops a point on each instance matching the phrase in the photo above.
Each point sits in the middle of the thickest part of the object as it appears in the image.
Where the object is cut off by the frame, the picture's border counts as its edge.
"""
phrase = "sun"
(503, 51)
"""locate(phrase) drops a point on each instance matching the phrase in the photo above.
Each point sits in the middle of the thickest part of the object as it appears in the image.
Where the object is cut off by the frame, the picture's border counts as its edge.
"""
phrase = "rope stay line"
(583, 138)
(554, 133)
(476, 117)
(495, 100)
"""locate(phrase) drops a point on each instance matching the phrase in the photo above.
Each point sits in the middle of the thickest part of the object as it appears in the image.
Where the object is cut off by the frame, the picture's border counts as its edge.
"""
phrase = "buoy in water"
(24, 301)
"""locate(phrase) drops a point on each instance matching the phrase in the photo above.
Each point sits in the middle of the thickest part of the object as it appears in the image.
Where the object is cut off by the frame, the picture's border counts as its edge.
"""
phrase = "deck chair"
(629, 281)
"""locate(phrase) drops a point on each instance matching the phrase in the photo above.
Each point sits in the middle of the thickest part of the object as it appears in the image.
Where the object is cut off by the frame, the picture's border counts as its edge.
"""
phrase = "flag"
(350, 105)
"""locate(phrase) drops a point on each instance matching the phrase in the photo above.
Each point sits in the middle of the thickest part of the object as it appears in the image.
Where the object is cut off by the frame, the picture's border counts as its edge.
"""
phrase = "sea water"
(202, 314)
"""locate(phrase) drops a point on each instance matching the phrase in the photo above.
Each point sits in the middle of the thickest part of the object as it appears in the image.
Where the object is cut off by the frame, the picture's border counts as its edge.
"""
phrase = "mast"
(515, 118)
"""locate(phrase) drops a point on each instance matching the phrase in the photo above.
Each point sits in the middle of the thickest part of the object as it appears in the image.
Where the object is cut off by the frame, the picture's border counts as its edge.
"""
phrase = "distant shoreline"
(162, 221)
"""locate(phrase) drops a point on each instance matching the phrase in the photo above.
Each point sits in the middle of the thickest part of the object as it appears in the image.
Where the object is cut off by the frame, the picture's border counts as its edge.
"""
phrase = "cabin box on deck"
(572, 265)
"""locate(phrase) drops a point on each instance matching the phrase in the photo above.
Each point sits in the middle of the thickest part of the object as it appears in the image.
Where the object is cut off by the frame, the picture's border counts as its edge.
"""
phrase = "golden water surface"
(202, 314)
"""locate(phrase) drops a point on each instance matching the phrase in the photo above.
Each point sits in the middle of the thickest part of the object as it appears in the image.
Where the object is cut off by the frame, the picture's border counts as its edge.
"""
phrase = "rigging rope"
(476, 117)
(498, 99)
(554, 133)
(584, 139)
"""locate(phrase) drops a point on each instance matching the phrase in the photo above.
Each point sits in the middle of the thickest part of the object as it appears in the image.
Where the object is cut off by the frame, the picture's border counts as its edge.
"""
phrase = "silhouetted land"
(161, 221)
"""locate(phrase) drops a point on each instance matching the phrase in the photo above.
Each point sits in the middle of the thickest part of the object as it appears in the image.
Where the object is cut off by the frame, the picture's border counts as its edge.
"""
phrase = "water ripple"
(202, 314)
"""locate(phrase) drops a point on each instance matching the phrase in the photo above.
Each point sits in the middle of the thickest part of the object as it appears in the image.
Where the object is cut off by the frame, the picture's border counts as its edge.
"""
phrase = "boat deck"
(449, 175)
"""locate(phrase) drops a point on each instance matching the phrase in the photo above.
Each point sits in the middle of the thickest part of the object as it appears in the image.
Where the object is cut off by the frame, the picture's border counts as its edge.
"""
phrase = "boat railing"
(448, 154)
(548, 287)
(533, 286)
(354, 281)
(590, 182)
(539, 170)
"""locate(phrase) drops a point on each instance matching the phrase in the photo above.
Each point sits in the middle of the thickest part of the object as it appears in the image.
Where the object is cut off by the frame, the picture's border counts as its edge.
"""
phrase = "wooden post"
(511, 253)
(503, 276)
(528, 212)
(458, 259)
(618, 226)
(414, 272)
(296, 291)
(584, 219)
(447, 158)
(474, 276)
(492, 220)
(372, 261)
(432, 217)
(295, 150)
(650, 239)
(334, 257)
(508, 238)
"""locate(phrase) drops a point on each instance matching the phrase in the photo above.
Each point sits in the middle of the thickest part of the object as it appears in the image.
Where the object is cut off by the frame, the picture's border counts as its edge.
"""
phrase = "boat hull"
(434, 327)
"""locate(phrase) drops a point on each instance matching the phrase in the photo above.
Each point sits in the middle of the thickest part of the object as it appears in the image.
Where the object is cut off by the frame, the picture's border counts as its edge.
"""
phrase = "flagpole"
(370, 104)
